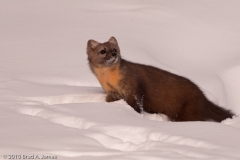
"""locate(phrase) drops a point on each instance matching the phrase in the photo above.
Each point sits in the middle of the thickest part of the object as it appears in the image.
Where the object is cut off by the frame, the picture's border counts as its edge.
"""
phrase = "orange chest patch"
(109, 78)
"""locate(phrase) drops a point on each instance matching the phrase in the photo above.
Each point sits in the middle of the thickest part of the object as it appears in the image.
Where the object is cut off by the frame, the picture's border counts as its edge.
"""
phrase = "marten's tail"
(216, 113)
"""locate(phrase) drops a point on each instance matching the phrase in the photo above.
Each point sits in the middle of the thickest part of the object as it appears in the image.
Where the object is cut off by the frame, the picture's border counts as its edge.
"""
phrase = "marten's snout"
(114, 52)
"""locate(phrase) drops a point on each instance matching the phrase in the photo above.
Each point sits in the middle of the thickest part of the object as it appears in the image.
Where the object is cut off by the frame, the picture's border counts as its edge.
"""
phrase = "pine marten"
(150, 89)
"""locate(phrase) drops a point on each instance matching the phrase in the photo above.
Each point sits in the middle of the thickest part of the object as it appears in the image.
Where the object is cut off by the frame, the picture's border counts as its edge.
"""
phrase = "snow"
(52, 105)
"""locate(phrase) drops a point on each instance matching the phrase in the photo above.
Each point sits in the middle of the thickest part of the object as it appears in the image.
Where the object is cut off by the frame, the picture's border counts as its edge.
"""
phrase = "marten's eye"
(114, 50)
(103, 51)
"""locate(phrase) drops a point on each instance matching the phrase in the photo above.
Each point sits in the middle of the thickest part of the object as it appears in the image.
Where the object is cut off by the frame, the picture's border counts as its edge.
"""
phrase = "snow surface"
(51, 103)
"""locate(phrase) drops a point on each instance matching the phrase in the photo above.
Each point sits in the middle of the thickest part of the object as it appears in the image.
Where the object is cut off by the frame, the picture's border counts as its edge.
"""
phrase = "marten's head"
(103, 54)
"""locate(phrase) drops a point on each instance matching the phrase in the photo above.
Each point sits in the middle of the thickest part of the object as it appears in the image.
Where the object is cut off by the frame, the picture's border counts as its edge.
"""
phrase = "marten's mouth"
(111, 60)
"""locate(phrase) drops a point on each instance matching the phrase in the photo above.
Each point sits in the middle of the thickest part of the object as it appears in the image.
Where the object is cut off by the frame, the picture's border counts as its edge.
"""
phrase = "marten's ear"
(92, 44)
(113, 40)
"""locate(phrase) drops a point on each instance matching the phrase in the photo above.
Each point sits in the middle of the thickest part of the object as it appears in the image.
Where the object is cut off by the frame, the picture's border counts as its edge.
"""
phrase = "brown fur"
(147, 88)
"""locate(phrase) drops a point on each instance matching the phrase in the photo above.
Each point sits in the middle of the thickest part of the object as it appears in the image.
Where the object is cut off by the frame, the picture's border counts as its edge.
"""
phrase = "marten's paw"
(112, 96)
(109, 98)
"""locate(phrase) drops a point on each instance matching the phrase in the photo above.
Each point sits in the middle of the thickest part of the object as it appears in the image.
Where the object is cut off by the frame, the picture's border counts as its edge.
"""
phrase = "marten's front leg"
(136, 102)
(113, 96)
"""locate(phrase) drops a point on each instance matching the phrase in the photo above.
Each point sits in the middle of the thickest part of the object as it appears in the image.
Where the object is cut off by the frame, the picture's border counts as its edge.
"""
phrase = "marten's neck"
(108, 77)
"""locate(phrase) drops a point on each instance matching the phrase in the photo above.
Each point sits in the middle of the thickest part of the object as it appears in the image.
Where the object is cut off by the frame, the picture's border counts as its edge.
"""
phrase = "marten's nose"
(114, 53)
